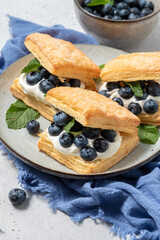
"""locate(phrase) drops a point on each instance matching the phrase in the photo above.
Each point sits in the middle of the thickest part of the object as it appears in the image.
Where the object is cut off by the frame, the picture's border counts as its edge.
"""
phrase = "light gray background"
(35, 220)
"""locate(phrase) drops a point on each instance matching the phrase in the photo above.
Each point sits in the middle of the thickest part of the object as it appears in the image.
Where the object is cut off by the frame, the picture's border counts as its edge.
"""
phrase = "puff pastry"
(135, 67)
(96, 111)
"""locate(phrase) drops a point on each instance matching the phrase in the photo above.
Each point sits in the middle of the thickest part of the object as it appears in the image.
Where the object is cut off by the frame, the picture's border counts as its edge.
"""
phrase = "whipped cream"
(114, 93)
(73, 150)
(34, 90)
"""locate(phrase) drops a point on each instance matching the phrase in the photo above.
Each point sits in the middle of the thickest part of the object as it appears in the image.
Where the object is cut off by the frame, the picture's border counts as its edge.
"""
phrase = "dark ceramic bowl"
(118, 34)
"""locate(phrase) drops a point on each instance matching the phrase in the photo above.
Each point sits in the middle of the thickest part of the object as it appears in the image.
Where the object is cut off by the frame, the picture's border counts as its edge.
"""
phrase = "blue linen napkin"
(131, 202)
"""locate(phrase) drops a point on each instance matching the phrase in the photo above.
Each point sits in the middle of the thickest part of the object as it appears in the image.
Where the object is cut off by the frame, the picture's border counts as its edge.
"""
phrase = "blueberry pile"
(121, 9)
(150, 88)
(48, 81)
(66, 139)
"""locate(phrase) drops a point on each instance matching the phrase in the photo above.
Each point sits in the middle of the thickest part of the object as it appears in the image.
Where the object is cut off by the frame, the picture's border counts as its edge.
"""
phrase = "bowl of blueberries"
(118, 23)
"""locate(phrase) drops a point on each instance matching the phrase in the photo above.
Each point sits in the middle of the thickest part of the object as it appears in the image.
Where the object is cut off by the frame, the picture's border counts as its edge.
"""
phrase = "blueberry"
(90, 133)
(45, 85)
(76, 127)
(150, 106)
(95, 12)
(45, 73)
(132, 16)
(66, 139)
(142, 4)
(145, 12)
(125, 92)
(100, 144)
(135, 108)
(108, 17)
(33, 78)
(80, 141)
(33, 126)
(104, 93)
(109, 135)
(142, 84)
(149, 5)
(116, 12)
(112, 85)
(135, 11)
(106, 9)
(61, 119)
(133, 3)
(117, 18)
(65, 84)
(118, 100)
(88, 9)
(122, 5)
(124, 13)
(88, 153)
(145, 95)
(17, 196)
(86, 2)
(54, 130)
(153, 89)
(75, 83)
(54, 79)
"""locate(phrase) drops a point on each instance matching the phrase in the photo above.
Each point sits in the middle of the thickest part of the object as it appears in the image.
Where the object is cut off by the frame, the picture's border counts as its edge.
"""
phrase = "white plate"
(24, 145)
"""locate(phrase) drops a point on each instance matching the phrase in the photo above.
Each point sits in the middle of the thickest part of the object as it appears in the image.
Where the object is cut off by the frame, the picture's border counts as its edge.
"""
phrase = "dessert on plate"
(133, 80)
(90, 132)
(57, 63)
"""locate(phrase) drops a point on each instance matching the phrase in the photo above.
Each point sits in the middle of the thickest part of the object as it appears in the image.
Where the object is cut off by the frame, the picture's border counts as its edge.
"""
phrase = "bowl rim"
(116, 21)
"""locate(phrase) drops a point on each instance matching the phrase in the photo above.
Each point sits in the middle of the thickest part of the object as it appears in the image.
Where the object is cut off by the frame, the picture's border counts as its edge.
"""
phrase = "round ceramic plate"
(24, 145)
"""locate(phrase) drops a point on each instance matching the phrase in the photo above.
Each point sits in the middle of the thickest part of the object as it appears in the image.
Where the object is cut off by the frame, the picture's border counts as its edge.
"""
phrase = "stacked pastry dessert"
(90, 132)
(58, 63)
(133, 80)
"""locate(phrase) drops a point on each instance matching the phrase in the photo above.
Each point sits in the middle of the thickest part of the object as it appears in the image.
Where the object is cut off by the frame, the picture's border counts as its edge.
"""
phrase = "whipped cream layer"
(73, 150)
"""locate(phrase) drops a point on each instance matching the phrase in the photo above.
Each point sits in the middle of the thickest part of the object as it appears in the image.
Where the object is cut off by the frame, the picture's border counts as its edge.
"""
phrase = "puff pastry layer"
(62, 58)
(76, 163)
(151, 119)
(46, 111)
(92, 109)
(133, 67)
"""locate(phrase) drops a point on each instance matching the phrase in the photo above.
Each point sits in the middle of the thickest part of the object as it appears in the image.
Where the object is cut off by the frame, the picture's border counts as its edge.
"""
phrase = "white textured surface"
(35, 220)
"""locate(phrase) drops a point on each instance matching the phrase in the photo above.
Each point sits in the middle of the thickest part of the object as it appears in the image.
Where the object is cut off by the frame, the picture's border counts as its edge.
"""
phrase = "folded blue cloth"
(131, 202)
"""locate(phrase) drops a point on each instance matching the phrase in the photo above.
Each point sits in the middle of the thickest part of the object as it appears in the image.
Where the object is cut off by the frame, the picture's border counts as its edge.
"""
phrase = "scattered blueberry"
(33, 78)
(66, 139)
(112, 85)
(75, 83)
(17, 196)
(101, 145)
(125, 92)
(88, 153)
(54, 130)
(150, 106)
(135, 108)
(45, 85)
(104, 93)
(33, 126)
(153, 89)
(118, 100)
(80, 141)
(109, 135)
(61, 119)
(54, 79)
(90, 133)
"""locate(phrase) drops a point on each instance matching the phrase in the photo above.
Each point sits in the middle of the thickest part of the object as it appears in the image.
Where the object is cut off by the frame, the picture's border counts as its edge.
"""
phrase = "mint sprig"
(19, 114)
(33, 65)
(69, 126)
(148, 134)
(136, 88)
(99, 2)
(101, 66)
(99, 80)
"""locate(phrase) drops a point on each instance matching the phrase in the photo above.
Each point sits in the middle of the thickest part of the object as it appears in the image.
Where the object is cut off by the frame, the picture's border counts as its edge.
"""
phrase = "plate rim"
(71, 175)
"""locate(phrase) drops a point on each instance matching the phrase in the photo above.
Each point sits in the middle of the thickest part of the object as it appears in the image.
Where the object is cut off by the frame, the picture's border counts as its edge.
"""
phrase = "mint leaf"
(148, 134)
(19, 114)
(136, 88)
(101, 66)
(44, 95)
(76, 133)
(33, 65)
(69, 125)
(100, 2)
